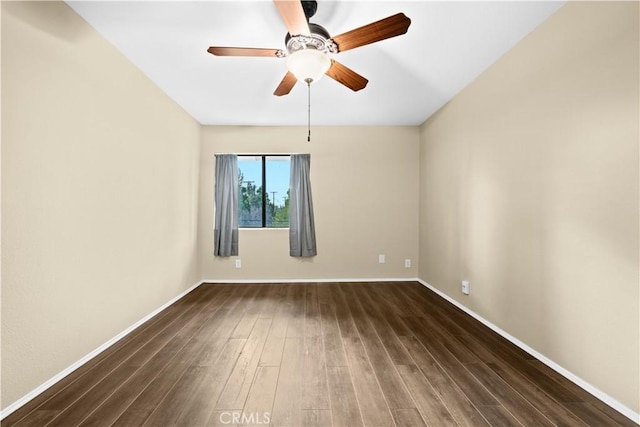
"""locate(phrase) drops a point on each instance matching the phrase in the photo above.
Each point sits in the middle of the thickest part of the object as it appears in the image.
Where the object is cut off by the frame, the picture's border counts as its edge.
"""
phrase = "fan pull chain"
(308, 109)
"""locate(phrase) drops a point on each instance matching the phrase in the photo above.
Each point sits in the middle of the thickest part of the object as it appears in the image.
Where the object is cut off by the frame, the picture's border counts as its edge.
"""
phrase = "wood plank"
(333, 348)
(373, 406)
(434, 310)
(35, 418)
(271, 301)
(590, 415)
(379, 316)
(316, 418)
(497, 415)
(167, 413)
(283, 312)
(315, 392)
(387, 299)
(312, 327)
(251, 314)
(556, 391)
(257, 410)
(142, 356)
(557, 413)
(84, 406)
(407, 418)
(580, 393)
(287, 410)
(224, 418)
(521, 409)
(237, 388)
(475, 392)
(272, 351)
(460, 407)
(224, 326)
(386, 295)
(403, 305)
(273, 347)
(345, 410)
(610, 412)
(197, 411)
(392, 386)
(431, 408)
(296, 296)
(142, 405)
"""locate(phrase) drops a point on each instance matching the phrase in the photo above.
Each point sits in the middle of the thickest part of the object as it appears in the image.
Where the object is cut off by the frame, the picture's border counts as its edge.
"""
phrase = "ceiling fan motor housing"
(310, 7)
(318, 40)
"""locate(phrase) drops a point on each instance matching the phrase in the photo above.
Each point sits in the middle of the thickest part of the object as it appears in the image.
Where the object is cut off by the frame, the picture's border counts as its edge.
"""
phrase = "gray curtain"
(225, 232)
(302, 231)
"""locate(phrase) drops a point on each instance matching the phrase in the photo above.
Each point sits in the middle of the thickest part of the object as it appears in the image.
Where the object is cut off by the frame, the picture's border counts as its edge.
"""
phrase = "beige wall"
(364, 184)
(529, 189)
(99, 194)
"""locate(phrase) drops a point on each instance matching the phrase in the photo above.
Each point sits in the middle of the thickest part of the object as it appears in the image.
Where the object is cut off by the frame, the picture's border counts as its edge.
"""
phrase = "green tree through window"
(264, 191)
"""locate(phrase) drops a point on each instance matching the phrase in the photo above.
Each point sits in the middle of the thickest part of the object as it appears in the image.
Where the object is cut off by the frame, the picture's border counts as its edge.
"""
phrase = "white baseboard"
(599, 394)
(349, 280)
(60, 375)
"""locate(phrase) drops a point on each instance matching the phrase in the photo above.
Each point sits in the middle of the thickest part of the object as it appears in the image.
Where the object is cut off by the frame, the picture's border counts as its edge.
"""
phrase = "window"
(264, 191)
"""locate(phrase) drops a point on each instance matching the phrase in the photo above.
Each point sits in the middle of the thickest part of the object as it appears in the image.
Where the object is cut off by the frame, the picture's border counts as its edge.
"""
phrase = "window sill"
(262, 228)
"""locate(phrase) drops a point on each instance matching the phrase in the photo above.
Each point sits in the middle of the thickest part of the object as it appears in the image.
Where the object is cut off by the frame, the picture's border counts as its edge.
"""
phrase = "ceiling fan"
(308, 46)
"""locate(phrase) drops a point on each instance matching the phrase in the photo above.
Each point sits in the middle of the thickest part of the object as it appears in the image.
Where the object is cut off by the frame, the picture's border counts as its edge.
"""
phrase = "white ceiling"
(410, 77)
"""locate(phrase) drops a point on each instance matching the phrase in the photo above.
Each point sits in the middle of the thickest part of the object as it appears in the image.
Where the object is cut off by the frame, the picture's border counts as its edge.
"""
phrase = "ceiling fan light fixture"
(308, 65)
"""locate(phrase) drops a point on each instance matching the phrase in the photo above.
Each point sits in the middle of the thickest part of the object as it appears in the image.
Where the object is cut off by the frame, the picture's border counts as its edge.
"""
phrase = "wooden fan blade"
(286, 85)
(293, 16)
(346, 76)
(242, 51)
(376, 31)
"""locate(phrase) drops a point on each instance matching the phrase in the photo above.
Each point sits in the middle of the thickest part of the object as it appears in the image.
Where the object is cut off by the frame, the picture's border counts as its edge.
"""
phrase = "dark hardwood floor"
(375, 354)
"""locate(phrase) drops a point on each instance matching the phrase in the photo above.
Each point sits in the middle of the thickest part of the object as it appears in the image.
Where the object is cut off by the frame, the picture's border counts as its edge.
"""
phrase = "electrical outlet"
(238, 263)
(381, 259)
(407, 263)
(465, 287)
